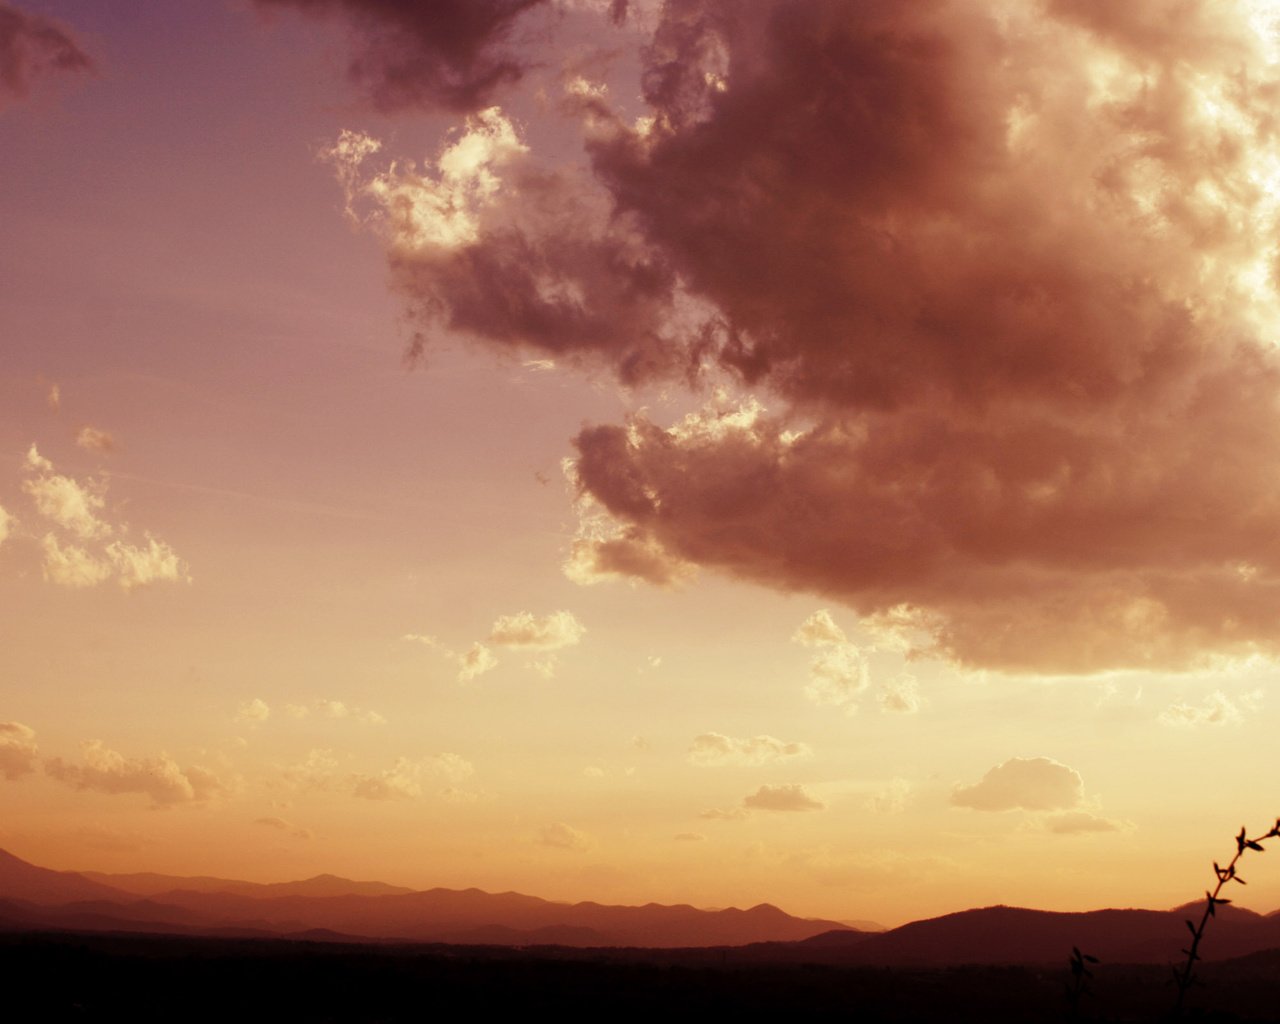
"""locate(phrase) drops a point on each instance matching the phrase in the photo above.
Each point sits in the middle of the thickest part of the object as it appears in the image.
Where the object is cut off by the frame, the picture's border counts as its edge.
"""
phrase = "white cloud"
(74, 507)
(64, 501)
(1215, 709)
(545, 667)
(564, 837)
(406, 777)
(819, 630)
(690, 837)
(37, 462)
(18, 750)
(838, 672)
(901, 695)
(549, 633)
(6, 525)
(439, 208)
(317, 771)
(603, 550)
(724, 814)
(1029, 783)
(255, 710)
(838, 676)
(137, 567)
(892, 799)
(94, 440)
(339, 709)
(901, 628)
(160, 777)
(332, 709)
(476, 662)
(71, 566)
(714, 749)
(789, 797)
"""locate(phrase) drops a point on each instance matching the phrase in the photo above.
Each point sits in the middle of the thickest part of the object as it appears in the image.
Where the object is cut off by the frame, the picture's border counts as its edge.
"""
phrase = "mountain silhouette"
(21, 880)
(37, 897)
(329, 908)
(151, 884)
(1016, 935)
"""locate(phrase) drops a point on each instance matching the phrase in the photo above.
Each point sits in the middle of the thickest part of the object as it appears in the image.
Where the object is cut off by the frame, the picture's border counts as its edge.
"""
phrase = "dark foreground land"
(62, 976)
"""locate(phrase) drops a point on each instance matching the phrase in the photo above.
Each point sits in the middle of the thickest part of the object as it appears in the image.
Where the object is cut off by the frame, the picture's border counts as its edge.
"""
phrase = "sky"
(812, 452)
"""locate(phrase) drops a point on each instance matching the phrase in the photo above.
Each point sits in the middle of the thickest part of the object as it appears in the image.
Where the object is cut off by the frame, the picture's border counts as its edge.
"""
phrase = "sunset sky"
(814, 452)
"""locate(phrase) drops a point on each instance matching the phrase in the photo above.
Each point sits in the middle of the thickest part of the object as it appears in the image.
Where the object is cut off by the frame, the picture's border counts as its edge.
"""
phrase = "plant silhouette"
(1184, 976)
(1080, 978)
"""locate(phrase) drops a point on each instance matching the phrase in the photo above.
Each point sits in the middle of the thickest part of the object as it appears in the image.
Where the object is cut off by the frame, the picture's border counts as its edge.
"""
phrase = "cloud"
(54, 398)
(32, 47)
(92, 439)
(1029, 783)
(487, 243)
(1013, 377)
(724, 814)
(603, 551)
(1080, 822)
(285, 826)
(447, 53)
(713, 749)
(75, 508)
(18, 750)
(690, 837)
(1015, 349)
(783, 798)
(7, 523)
(838, 672)
(63, 501)
(1215, 709)
(337, 709)
(255, 710)
(892, 799)
(901, 694)
(560, 836)
(71, 566)
(161, 778)
(475, 662)
(140, 566)
(549, 633)
(819, 630)
(318, 770)
(406, 777)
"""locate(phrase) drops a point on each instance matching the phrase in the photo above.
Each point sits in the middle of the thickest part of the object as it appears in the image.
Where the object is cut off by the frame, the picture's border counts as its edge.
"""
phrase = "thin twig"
(1213, 900)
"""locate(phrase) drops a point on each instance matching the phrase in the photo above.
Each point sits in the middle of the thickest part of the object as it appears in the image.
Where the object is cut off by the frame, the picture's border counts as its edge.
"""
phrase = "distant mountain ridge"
(328, 908)
(96, 901)
(151, 884)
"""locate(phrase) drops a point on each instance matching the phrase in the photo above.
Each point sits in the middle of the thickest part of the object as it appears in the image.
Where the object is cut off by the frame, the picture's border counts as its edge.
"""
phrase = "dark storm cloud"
(439, 53)
(1002, 277)
(31, 47)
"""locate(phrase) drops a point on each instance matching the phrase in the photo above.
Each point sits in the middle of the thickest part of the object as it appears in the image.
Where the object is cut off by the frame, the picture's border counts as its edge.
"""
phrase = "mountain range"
(35, 897)
(327, 907)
